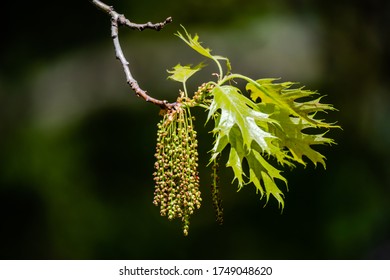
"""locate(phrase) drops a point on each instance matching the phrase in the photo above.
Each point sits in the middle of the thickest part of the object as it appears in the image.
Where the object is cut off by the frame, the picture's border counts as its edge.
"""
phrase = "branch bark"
(120, 20)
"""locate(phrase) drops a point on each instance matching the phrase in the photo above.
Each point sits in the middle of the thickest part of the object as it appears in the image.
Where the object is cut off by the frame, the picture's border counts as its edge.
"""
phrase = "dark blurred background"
(76, 145)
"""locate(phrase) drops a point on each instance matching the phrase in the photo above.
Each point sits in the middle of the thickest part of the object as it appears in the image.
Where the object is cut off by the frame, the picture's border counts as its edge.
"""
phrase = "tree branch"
(118, 20)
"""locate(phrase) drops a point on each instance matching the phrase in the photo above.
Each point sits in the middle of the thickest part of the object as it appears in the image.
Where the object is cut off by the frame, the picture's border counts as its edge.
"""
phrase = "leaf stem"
(237, 76)
(219, 68)
(185, 89)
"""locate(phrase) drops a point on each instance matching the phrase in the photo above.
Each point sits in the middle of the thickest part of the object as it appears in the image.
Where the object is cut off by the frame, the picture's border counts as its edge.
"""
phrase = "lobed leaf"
(294, 110)
(286, 96)
(182, 73)
(236, 109)
(240, 123)
(194, 43)
(291, 136)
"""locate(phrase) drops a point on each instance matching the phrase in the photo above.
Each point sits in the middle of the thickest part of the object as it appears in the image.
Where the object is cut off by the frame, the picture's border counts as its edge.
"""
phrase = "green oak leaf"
(239, 122)
(294, 110)
(291, 136)
(183, 73)
(286, 96)
(194, 43)
(236, 109)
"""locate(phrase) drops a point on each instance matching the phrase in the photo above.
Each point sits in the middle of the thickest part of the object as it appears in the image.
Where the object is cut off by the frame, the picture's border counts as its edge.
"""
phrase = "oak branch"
(120, 20)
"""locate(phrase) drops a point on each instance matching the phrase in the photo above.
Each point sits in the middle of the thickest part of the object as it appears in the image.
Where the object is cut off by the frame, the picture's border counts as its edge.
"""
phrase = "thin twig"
(118, 20)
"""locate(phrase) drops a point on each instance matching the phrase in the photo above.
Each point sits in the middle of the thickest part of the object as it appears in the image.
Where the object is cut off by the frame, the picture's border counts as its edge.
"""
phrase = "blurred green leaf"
(183, 73)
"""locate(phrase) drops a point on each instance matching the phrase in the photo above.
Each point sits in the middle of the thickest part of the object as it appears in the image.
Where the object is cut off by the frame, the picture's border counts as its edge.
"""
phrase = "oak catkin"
(176, 168)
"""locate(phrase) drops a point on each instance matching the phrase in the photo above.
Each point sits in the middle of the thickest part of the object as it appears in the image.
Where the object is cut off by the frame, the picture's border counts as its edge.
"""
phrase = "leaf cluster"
(272, 121)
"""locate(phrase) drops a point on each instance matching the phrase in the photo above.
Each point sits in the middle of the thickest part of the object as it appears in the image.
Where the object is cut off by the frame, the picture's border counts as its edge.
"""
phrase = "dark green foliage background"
(76, 146)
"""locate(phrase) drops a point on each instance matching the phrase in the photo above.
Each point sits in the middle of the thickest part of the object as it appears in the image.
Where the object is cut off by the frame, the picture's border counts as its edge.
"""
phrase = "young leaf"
(285, 96)
(291, 136)
(294, 110)
(238, 110)
(261, 173)
(194, 43)
(182, 73)
(239, 122)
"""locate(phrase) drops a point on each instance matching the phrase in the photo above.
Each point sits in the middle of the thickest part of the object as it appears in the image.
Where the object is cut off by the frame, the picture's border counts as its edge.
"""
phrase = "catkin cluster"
(202, 92)
(217, 201)
(176, 167)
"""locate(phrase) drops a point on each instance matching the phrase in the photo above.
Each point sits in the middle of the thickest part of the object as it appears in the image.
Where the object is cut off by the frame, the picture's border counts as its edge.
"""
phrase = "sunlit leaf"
(294, 109)
(241, 124)
(194, 43)
(291, 135)
(287, 96)
(279, 120)
(182, 73)
(236, 109)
